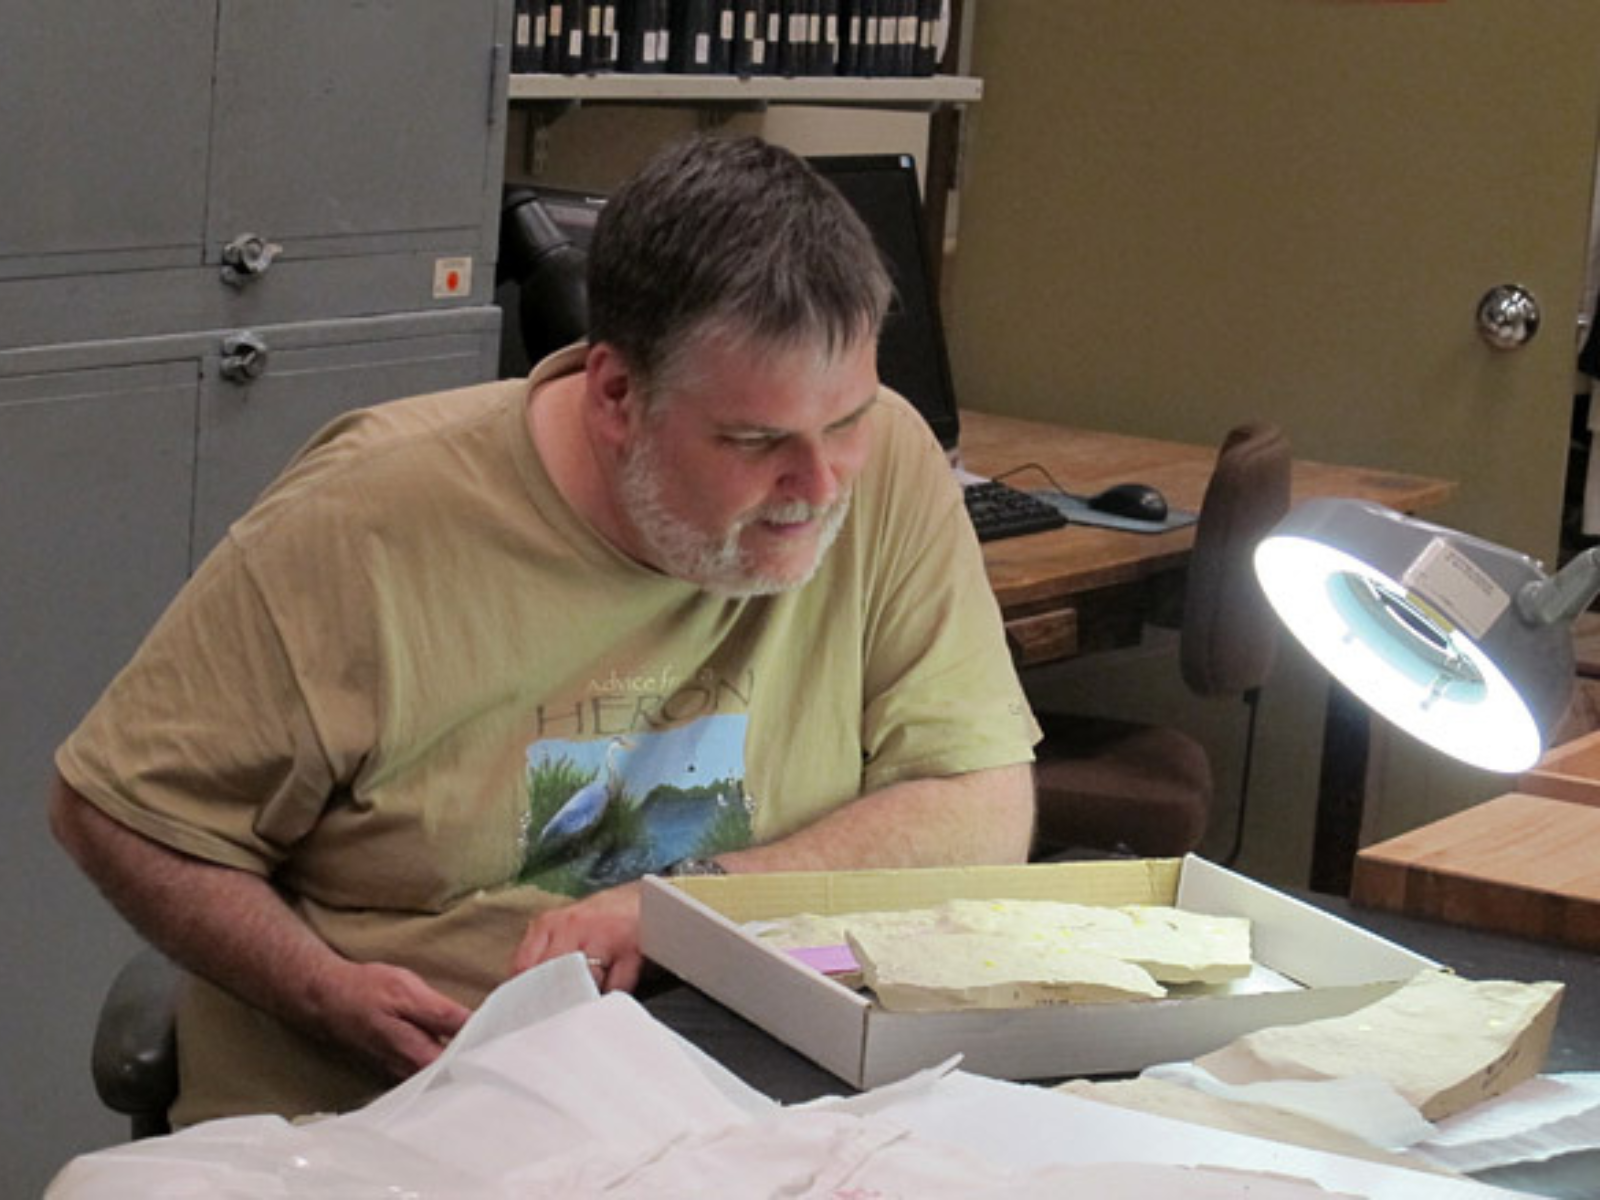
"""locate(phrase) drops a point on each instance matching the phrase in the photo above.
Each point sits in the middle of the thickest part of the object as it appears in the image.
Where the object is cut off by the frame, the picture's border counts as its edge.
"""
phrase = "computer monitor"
(912, 357)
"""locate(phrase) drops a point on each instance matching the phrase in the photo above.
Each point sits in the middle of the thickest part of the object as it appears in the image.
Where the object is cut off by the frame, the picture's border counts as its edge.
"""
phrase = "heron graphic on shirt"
(606, 810)
(582, 811)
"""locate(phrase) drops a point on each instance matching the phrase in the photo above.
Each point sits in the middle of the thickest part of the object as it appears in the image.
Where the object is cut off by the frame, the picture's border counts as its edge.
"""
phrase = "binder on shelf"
(530, 28)
(929, 36)
(777, 18)
(569, 52)
(828, 48)
(791, 45)
(599, 36)
(640, 40)
(555, 35)
(634, 35)
(521, 36)
(661, 17)
(693, 30)
(813, 55)
(849, 37)
(871, 24)
(724, 33)
(905, 36)
(749, 38)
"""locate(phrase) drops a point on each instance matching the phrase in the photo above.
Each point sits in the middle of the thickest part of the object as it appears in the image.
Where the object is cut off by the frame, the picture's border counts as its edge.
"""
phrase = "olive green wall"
(1175, 217)
(1178, 216)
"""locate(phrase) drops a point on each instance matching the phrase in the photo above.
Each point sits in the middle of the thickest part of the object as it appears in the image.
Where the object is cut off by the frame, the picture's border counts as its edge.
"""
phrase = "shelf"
(922, 92)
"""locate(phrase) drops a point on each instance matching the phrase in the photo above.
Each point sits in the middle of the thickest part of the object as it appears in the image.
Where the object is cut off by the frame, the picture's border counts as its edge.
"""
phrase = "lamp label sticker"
(1456, 586)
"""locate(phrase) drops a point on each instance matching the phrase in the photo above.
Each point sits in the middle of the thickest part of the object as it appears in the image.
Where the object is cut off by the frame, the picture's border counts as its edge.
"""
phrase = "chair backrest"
(1229, 630)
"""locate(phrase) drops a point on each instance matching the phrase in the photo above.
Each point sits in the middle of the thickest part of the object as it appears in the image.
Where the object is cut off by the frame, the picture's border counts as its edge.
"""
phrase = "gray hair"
(736, 239)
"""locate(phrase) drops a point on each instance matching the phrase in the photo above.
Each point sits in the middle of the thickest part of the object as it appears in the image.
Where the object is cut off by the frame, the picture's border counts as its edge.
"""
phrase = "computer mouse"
(1136, 501)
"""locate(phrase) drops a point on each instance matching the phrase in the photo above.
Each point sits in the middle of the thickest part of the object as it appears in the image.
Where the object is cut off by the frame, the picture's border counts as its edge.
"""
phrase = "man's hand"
(603, 927)
(387, 1015)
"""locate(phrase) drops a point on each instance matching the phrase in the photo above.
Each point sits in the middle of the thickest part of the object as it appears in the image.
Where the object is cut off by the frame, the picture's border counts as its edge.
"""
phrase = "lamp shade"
(1440, 632)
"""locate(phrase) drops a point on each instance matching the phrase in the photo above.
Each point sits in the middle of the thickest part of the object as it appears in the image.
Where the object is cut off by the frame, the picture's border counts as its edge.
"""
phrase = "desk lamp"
(1464, 644)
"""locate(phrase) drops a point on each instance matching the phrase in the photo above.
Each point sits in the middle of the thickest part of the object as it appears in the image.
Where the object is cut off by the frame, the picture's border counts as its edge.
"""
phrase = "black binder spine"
(724, 35)
(774, 17)
(905, 50)
(613, 34)
(749, 39)
(871, 22)
(633, 34)
(928, 36)
(792, 36)
(576, 26)
(849, 37)
(600, 24)
(692, 33)
(828, 49)
(661, 22)
(555, 35)
(522, 37)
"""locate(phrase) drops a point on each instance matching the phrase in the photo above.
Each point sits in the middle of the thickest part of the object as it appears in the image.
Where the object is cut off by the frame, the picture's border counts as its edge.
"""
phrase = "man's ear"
(611, 392)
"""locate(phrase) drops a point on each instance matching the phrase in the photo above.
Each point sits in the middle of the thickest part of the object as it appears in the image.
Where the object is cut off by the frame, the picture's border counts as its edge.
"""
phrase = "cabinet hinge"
(499, 69)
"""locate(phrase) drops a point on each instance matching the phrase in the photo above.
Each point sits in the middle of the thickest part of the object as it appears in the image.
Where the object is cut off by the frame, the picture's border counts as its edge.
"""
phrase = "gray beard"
(718, 565)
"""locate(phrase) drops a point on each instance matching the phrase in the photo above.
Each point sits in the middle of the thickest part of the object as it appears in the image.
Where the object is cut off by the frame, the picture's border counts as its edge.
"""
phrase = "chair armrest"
(135, 1061)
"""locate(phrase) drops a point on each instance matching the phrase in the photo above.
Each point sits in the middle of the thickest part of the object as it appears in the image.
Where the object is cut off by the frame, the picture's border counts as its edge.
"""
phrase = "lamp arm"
(1565, 595)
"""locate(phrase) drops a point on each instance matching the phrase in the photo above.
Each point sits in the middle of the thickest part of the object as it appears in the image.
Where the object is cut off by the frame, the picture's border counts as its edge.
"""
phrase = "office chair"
(541, 283)
(1121, 787)
(135, 1059)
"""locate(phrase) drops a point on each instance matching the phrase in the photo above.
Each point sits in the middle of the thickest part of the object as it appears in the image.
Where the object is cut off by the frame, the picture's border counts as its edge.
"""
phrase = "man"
(698, 596)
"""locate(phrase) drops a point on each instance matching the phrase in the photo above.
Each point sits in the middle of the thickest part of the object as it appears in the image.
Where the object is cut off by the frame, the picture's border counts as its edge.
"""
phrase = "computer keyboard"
(999, 510)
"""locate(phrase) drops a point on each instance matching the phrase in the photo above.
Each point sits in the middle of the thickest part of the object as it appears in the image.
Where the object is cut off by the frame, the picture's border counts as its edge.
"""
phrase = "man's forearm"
(233, 928)
(227, 925)
(980, 817)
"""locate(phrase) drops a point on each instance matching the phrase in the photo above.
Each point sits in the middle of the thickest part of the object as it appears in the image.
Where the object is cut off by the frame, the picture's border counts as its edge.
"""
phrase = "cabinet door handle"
(244, 357)
(247, 257)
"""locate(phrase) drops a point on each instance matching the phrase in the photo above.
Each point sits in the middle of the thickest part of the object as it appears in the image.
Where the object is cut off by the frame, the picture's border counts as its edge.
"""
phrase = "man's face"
(739, 478)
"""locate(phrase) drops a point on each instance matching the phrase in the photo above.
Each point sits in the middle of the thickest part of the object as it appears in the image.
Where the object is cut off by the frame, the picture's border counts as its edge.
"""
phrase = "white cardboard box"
(1315, 965)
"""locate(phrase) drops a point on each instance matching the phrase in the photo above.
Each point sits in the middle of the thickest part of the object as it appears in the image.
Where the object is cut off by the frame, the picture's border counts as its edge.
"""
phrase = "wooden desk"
(1083, 589)
(1517, 864)
(1107, 578)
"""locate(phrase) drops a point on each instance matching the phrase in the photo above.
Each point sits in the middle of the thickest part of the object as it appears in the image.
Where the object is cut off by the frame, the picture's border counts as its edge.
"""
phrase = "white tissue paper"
(1544, 1118)
(551, 1090)
(1362, 1105)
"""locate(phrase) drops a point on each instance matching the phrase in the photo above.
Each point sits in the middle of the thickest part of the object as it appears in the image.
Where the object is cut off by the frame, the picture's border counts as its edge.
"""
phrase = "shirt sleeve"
(204, 742)
(942, 694)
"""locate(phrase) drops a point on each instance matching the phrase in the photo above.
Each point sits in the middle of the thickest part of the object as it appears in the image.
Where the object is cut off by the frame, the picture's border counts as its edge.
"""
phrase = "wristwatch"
(694, 866)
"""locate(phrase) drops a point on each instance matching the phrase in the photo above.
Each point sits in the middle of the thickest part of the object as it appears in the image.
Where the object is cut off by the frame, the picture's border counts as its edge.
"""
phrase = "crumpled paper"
(1541, 1119)
(551, 1090)
(1362, 1105)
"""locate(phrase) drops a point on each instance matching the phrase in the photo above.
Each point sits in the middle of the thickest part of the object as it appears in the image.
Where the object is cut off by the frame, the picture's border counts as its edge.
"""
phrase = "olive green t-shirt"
(420, 693)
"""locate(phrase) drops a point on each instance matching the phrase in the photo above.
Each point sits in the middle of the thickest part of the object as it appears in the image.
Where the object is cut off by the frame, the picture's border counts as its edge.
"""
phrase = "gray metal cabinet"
(359, 143)
(189, 166)
(248, 428)
(104, 140)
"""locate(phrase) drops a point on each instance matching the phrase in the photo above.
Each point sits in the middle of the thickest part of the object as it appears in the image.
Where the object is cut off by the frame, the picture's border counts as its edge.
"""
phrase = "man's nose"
(811, 475)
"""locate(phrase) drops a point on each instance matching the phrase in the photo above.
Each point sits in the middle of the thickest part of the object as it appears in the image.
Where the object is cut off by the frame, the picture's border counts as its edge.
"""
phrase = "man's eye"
(753, 441)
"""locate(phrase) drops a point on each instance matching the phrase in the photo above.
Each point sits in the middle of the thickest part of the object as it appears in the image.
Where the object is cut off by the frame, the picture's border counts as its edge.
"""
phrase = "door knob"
(1508, 316)
(246, 257)
(244, 357)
